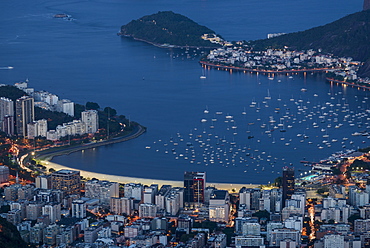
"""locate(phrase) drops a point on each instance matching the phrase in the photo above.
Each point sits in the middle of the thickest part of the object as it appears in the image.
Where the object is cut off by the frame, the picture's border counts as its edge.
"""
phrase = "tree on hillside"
(78, 108)
(92, 105)
(110, 111)
(11, 92)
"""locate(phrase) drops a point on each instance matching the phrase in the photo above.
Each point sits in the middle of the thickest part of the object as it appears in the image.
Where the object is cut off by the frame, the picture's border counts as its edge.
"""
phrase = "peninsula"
(346, 37)
(339, 49)
(168, 29)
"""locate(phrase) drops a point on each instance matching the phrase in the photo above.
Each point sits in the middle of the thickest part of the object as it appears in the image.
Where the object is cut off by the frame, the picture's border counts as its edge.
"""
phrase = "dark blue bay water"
(84, 60)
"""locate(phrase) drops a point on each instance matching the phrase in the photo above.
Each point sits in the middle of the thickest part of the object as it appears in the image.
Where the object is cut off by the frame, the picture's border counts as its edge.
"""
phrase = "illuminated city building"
(194, 185)
(288, 183)
(68, 181)
(91, 119)
(24, 114)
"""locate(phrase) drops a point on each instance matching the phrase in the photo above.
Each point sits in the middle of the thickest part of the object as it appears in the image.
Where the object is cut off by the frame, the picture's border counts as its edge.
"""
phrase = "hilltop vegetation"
(11, 92)
(9, 236)
(348, 36)
(167, 27)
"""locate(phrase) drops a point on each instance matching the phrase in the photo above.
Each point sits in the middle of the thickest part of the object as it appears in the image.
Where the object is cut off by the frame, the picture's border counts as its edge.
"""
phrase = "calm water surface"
(83, 60)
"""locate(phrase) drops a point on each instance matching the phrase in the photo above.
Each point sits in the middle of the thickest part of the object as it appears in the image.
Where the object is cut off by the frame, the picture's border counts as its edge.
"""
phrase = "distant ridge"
(348, 36)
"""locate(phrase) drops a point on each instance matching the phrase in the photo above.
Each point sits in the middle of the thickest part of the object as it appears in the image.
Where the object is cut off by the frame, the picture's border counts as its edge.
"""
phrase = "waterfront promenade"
(348, 84)
(49, 154)
(227, 67)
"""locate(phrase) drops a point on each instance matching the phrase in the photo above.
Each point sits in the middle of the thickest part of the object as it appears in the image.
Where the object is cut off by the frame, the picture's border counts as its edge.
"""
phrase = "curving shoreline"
(145, 181)
(260, 71)
(348, 83)
(48, 155)
(163, 45)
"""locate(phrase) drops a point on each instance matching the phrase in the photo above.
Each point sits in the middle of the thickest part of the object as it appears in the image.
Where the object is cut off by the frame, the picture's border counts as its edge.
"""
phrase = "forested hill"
(348, 36)
(167, 27)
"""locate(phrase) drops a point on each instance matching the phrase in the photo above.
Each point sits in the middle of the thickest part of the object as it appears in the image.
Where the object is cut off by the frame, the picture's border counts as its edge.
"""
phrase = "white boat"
(203, 77)
(206, 111)
(268, 97)
(244, 112)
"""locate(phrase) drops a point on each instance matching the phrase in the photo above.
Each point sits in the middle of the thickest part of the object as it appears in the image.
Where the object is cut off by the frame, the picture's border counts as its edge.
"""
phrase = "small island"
(168, 29)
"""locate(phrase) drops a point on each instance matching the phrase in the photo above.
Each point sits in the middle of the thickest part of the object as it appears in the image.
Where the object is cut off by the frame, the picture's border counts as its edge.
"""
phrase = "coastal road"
(139, 130)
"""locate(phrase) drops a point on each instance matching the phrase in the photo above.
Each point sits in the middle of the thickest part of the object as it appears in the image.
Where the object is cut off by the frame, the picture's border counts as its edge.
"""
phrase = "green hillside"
(167, 27)
(348, 36)
(9, 236)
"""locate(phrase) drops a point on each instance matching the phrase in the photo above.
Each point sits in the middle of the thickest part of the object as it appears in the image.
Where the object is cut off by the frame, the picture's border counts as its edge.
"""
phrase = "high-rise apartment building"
(194, 186)
(91, 120)
(121, 205)
(134, 190)
(6, 109)
(65, 106)
(8, 125)
(37, 128)
(68, 181)
(219, 207)
(53, 211)
(288, 183)
(24, 114)
(102, 190)
(4, 174)
(79, 208)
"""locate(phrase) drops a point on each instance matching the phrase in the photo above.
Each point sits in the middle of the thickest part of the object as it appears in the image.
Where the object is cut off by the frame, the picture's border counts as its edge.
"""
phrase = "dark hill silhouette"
(348, 36)
(167, 27)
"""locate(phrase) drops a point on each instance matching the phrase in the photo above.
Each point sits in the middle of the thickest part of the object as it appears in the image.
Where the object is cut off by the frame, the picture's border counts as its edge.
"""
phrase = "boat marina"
(272, 132)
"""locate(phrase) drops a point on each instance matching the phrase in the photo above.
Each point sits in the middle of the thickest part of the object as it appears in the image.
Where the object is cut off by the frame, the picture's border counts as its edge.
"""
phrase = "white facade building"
(65, 106)
(251, 229)
(4, 174)
(91, 120)
(53, 210)
(247, 241)
(6, 108)
(52, 135)
(79, 209)
(122, 205)
(172, 202)
(147, 210)
(37, 128)
(134, 190)
(219, 207)
(333, 241)
(102, 190)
